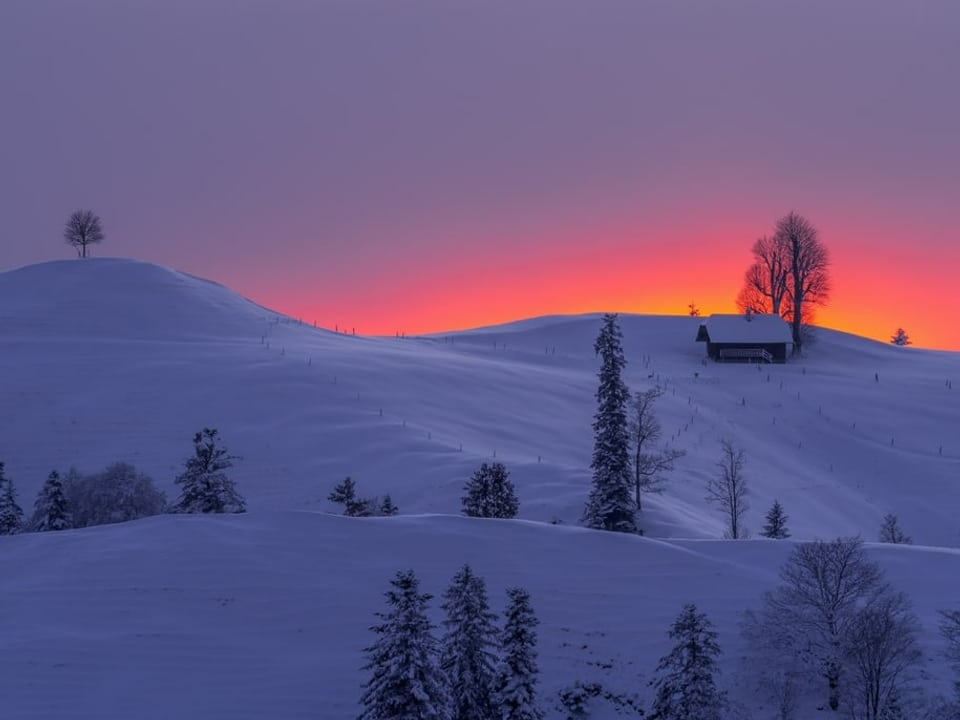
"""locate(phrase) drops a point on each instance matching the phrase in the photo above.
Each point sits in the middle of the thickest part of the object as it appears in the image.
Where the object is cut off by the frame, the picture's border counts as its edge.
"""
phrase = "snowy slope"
(265, 615)
(111, 360)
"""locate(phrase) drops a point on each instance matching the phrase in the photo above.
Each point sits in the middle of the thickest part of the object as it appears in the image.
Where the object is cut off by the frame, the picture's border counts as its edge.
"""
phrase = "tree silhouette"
(901, 338)
(83, 228)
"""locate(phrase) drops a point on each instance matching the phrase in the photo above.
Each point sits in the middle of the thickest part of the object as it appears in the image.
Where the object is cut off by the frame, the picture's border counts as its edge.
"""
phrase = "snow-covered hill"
(264, 615)
(109, 360)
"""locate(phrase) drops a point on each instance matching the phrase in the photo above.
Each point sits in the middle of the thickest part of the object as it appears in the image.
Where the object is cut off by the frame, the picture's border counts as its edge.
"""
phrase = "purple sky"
(344, 157)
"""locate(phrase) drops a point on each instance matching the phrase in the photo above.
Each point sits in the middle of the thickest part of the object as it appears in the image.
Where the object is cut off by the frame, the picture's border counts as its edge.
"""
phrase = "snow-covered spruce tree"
(900, 338)
(50, 510)
(387, 507)
(516, 683)
(205, 487)
(684, 682)
(11, 514)
(890, 531)
(490, 494)
(405, 683)
(610, 506)
(467, 658)
(776, 525)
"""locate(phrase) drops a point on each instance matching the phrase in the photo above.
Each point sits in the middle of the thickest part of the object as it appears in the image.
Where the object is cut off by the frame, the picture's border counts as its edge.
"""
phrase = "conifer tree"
(685, 684)
(900, 338)
(205, 486)
(516, 684)
(890, 531)
(776, 525)
(404, 683)
(50, 510)
(11, 514)
(610, 506)
(387, 507)
(467, 658)
(490, 493)
(345, 493)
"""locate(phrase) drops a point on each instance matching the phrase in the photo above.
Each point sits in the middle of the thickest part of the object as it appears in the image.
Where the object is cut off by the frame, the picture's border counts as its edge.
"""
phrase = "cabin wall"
(777, 350)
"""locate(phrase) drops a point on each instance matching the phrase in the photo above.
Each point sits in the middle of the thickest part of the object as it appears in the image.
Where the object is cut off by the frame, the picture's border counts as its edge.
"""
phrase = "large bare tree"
(728, 490)
(823, 587)
(882, 653)
(808, 267)
(650, 462)
(765, 282)
(790, 274)
(83, 228)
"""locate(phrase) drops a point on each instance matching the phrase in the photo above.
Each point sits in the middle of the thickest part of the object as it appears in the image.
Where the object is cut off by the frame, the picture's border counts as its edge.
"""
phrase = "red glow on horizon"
(871, 297)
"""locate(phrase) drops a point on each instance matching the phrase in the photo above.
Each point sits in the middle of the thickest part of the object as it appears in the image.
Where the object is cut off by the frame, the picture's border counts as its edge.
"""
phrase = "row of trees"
(835, 622)
(489, 493)
(120, 493)
(475, 672)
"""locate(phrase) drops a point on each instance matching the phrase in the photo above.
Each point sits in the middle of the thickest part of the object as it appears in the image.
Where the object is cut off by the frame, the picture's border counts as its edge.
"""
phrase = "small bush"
(116, 494)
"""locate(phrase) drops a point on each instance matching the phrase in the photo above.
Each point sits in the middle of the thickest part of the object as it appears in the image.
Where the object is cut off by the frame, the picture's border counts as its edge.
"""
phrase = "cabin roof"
(752, 328)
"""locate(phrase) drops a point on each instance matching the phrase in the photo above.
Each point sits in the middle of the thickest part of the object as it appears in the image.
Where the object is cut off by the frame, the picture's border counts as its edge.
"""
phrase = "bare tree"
(808, 267)
(693, 310)
(649, 461)
(881, 650)
(771, 667)
(765, 282)
(890, 531)
(728, 490)
(950, 629)
(83, 228)
(823, 587)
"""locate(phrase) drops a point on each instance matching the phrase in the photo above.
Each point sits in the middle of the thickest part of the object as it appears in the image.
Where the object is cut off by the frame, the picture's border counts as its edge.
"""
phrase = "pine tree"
(205, 486)
(404, 683)
(50, 510)
(387, 507)
(345, 493)
(516, 685)
(467, 658)
(490, 494)
(610, 506)
(901, 338)
(890, 531)
(685, 685)
(776, 526)
(11, 514)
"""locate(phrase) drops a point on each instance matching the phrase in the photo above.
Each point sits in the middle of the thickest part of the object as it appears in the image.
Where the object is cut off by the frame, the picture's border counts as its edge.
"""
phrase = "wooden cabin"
(751, 337)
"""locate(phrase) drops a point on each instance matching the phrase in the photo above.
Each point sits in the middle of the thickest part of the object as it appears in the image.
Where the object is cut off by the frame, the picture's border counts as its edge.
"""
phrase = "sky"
(430, 165)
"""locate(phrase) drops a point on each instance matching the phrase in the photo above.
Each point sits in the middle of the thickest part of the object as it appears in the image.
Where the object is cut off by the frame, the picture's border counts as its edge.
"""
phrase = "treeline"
(474, 671)
(120, 493)
(834, 628)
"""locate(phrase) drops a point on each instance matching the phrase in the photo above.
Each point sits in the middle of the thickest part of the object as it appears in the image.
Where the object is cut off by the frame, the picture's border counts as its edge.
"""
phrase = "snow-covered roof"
(754, 328)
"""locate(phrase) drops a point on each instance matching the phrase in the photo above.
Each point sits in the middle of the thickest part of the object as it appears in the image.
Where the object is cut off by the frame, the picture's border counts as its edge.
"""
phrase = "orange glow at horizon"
(871, 297)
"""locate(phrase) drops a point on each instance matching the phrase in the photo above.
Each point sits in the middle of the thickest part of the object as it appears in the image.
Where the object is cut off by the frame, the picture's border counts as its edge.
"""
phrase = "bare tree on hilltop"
(790, 274)
(83, 228)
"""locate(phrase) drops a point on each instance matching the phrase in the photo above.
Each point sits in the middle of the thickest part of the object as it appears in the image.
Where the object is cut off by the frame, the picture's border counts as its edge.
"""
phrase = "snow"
(753, 328)
(265, 615)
